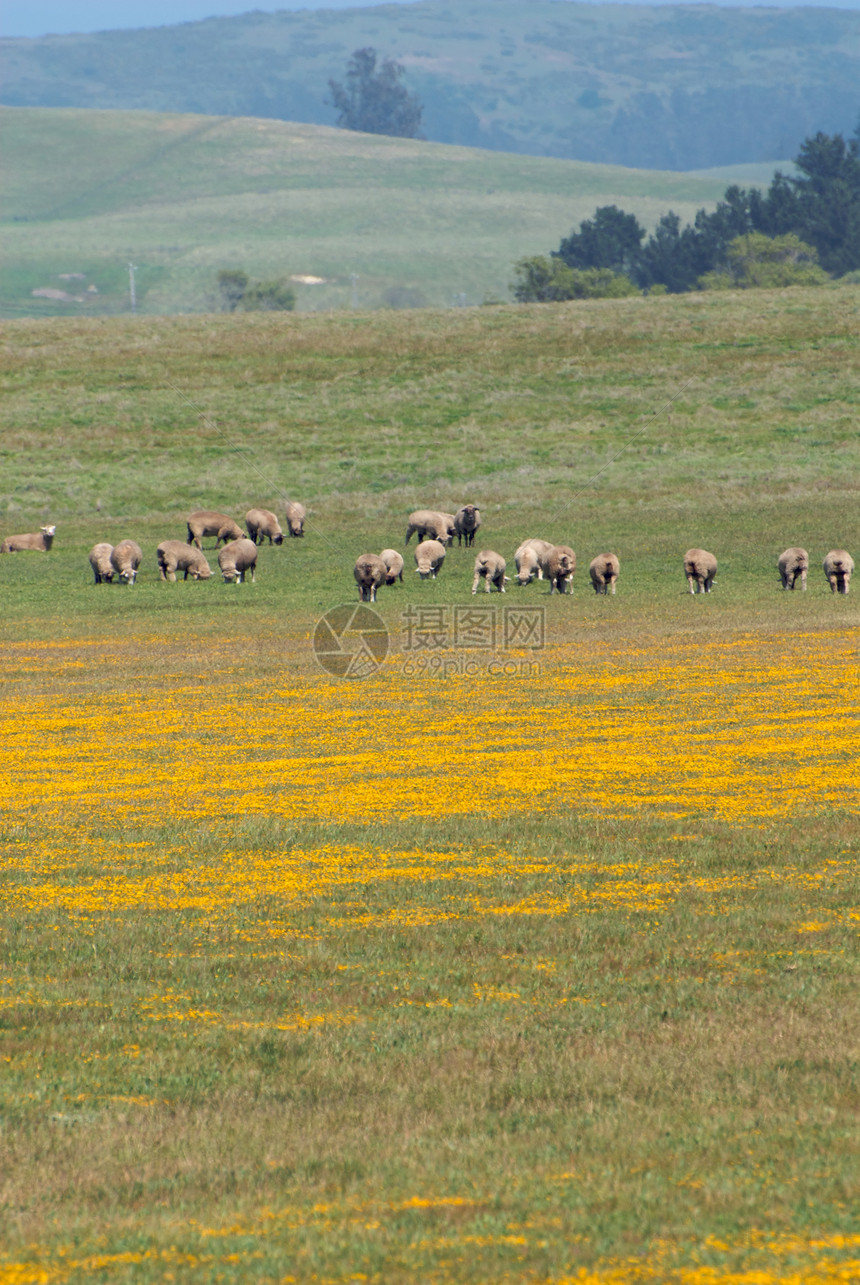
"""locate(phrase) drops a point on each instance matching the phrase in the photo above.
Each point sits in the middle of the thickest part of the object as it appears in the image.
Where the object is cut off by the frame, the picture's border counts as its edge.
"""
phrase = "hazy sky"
(38, 17)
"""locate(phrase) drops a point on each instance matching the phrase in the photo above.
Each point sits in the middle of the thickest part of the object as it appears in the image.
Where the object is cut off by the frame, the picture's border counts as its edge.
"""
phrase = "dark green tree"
(232, 284)
(373, 100)
(269, 296)
(612, 239)
(828, 197)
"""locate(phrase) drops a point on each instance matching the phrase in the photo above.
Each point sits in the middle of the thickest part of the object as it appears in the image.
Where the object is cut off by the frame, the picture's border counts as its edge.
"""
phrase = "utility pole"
(354, 279)
(131, 290)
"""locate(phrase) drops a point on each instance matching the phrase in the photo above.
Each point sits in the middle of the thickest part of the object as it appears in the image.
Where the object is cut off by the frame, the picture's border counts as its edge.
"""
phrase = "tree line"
(803, 230)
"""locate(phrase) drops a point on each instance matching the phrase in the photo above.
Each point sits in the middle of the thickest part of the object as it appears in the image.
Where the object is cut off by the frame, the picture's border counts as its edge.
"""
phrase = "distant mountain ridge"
(659, 87)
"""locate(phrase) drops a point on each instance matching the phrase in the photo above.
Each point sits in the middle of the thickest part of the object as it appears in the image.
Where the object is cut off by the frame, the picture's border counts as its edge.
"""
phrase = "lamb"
(393, 564)
(838, 567)
(41, 541)
(101, 564)
(175, 555)
(489, 567)
(207, 522)
(604, 571)
(125, 560)
(527, 559)
(793, 563)
(296, 514)
(558, 565)
(466, 523)
(236, 559)
(700, 567)
(370, 574)
(429, 523)
(262, 523)
(429, 557)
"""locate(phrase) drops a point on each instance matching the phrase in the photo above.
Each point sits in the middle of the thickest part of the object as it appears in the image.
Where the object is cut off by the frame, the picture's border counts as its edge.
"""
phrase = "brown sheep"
(792, 564)
(558, 566)
(236, 559)
(370, 574)
(175, 555)
(125, 560)
(206, 522)
(394, 565)
(262, 523)
(101, 564)
(429, 557)
(41, 541)
(700, 567)
(527, 559)
(838, 567)
(604, 571)
(466, 523)
(489, 567)
(296, 514)
(431, 524)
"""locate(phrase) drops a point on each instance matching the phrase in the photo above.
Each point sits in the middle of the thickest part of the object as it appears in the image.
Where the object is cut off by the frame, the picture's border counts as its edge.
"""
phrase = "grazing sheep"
(101, 564)
(604, 571)
(527, 559)
(206, 522)
(296, 515)
(262, 523)
(793, 563)
(41, 541)
(125, 560)
(466, 522)
(838, 567)
(370, 574)
(558, 565)
(489, 567)
(700, 567)
(175, 555)
(393, 565)
(236, 559)
(430, 524)
(429, 557)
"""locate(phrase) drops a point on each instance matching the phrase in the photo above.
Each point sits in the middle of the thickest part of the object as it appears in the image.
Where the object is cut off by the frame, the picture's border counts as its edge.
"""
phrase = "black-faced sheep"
(466, 523)
(700, 567)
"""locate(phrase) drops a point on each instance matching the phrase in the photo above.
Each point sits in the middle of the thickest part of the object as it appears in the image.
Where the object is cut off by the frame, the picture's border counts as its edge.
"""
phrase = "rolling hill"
(378, 220)
(662, 87)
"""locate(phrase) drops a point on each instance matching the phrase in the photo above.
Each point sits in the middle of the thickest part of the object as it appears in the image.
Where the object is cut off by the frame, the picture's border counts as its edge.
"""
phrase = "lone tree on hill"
(373, 101)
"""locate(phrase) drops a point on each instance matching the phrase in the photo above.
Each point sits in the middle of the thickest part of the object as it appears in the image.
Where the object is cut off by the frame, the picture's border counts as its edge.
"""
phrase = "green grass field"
(86, 191)
(502, 964)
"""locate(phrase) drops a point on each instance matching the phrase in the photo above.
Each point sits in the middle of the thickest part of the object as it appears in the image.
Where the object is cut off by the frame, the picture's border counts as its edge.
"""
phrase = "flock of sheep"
(435, 531)
(556, 563)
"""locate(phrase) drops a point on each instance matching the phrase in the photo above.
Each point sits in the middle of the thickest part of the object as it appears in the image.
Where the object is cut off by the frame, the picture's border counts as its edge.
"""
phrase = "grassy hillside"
(184, 196)
(504, 963)
(668, 87)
